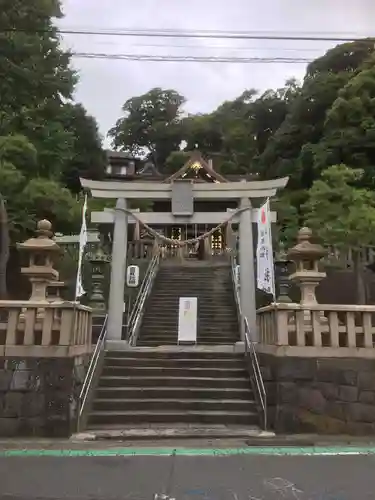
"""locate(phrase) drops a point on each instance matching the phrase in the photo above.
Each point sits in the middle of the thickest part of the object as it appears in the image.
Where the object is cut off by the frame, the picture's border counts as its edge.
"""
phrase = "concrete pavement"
(234, 477)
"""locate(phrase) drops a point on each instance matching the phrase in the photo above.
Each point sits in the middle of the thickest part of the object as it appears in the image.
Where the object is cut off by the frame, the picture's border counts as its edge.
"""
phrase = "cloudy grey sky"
(106, 84)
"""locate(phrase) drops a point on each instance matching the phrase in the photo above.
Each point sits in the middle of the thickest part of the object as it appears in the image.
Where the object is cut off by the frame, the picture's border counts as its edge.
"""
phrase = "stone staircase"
(211, 283)
(157, 386)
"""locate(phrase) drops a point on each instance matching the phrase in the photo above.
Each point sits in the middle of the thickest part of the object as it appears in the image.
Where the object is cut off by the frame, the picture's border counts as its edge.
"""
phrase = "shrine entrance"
(193, 211)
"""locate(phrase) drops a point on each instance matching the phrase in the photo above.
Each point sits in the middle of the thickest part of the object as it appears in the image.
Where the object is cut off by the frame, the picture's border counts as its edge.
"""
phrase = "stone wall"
(320, 395)
(39, 397)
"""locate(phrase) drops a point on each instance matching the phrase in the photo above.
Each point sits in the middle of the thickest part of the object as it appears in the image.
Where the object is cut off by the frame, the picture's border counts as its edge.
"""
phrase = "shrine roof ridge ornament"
(161, 190)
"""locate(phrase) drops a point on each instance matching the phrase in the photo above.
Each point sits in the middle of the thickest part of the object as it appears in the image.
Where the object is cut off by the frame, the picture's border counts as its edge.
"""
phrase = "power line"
(215, 47)
(240, 48)
(206, 34)
(202, 59)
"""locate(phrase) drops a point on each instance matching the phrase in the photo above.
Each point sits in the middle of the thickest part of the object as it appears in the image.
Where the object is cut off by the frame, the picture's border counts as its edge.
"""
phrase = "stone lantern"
(99, 261)
(282, 276)
(307, 276)
(42, 251)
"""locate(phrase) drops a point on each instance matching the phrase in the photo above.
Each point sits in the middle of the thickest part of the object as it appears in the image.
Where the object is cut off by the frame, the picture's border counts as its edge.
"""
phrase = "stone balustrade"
(33, 330)
(337, 329)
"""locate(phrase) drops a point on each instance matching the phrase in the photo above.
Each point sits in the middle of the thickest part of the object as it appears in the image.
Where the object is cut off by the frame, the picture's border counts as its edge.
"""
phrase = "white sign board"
(132, 276)
(187, 319)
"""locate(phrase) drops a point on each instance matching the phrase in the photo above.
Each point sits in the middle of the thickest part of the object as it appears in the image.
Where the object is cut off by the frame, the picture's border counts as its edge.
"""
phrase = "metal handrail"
(135, 306)
(249, 345)
(144, 291)
(92, 367)
(251, 351)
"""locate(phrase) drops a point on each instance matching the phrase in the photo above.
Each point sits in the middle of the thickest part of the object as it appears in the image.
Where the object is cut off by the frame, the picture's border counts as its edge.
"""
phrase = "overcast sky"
(106, 84)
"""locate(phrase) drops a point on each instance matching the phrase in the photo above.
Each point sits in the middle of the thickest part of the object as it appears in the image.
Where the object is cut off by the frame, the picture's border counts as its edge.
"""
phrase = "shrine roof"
(123, 166)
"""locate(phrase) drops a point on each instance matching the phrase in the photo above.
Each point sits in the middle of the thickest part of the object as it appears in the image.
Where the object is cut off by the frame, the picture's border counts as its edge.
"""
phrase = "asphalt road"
(237, 477)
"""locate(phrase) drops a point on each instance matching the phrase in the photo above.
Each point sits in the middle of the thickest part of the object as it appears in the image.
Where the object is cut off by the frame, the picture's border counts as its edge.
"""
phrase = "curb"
(147, 435)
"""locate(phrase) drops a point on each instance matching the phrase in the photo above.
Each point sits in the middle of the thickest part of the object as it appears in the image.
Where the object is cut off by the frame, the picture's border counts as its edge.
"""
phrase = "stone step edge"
(174, 413)
(175, 377)
(147, 433)
(168, 369)
(174, 400)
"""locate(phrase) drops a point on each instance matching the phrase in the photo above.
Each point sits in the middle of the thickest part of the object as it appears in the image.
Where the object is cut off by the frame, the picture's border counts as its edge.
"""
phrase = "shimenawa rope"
(181, 243)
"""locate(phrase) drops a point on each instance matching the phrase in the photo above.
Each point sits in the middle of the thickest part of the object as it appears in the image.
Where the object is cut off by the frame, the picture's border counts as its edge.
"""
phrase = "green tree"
(289, 151)
(35, 80)
(342, 214)
(237, 132)
(349, 129)
(24, 201)
(87, 158)
(29, 200)
(151, 125)
(46, 141)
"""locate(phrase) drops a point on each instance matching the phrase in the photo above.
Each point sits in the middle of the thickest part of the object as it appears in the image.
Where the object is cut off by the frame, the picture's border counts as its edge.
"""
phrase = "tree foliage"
(151, 125)
(87, 158)
(343, 214)
(46, 141)
(291, 149)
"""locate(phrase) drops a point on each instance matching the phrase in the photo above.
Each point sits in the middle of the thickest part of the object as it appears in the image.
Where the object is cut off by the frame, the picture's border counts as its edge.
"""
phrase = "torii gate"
(182, 195)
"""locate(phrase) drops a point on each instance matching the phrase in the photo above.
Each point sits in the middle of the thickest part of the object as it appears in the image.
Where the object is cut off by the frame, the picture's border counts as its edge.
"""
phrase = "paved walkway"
(247, 474)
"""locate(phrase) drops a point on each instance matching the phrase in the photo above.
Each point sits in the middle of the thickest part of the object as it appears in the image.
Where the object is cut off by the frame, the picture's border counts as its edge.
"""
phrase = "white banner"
(82, 243)
(265, 269)
(187, 319)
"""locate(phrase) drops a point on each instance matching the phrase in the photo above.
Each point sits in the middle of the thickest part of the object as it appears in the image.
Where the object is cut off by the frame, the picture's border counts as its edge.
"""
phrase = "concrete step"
(175, 363)
(142, 371)
(157, 392)
(151, 432)
(227, 330)
(203, 313)
(222, 273)
(187, 286)
(171, 342)
(206, 324)
(171, 290)
(158, 416)
(203, 333)
(204, 317)
(209, 326)
(205, 302)
(225, 405)
(208, 306)
(213, 327)
(201, 339)
(114, 360)
(171, 319)
(195, 354)
(182, 382)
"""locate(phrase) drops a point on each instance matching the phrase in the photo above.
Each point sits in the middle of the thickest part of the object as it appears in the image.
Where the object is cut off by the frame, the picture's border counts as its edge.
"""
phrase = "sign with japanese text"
(265, 269)
(187, 319)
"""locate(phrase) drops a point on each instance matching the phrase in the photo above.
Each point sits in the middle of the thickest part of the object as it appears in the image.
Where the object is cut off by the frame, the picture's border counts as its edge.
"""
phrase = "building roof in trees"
(197, 169)
(123, 166)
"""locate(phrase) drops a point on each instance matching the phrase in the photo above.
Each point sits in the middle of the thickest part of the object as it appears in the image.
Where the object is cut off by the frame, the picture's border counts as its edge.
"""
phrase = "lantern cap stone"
(305, 250)
(42, 241)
